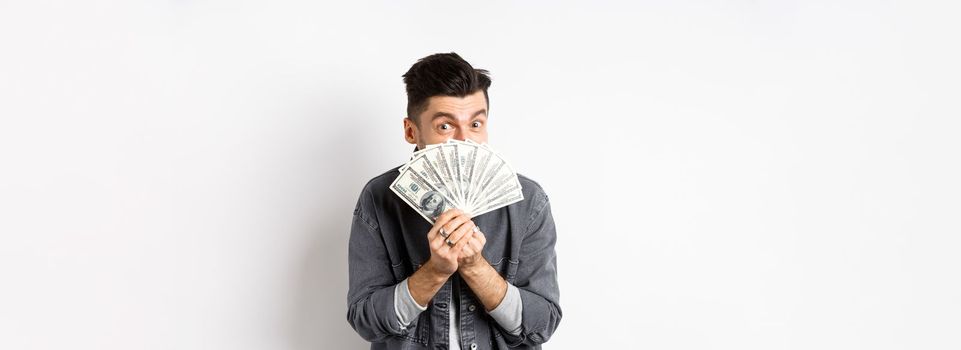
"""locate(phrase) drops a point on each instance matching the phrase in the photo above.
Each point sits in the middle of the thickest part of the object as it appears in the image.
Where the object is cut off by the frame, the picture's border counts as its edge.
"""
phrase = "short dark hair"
(442, 74)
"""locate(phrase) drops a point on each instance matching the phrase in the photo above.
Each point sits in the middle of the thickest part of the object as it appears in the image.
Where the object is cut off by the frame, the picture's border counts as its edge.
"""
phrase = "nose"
(459, 135)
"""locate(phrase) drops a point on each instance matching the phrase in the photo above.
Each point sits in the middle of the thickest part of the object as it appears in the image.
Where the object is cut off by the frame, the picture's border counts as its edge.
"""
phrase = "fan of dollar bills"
(457, 174)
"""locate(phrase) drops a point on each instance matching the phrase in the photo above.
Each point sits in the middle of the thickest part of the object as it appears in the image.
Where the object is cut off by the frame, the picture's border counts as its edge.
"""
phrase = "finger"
(470, 248)
(462, 232)
(446, 216)
(432, 233)
(442, 221)
(440, 243)
(460, 245)
(439, 223)
(455, 222)
(466, 250)
(481, 238)
(436, 243)
(433, 239)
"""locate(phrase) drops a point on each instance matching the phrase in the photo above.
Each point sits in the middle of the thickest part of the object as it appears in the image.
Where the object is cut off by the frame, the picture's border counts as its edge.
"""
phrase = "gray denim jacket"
(388, 242)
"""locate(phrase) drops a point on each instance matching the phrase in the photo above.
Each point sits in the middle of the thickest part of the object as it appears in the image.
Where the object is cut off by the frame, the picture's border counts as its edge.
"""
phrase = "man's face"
(449, 117)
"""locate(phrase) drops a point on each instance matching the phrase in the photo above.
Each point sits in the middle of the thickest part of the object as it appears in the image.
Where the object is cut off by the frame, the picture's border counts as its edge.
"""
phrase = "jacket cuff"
(540, 320)
(509, 312)
(405, 307)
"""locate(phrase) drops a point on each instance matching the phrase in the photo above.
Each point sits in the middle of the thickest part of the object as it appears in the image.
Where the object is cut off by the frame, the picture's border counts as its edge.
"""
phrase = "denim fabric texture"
(388, 242)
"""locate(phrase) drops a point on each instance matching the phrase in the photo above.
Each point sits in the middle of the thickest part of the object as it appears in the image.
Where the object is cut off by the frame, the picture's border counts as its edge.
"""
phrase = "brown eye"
(445, 126)
(476, 124)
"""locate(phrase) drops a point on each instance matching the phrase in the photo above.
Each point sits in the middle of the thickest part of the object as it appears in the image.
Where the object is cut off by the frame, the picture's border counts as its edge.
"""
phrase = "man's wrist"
(478, 268)
(486, 283)
(435, 274)
(425, 282)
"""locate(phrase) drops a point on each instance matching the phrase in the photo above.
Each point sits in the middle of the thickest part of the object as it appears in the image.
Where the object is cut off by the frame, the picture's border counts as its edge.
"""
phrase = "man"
(484, 283)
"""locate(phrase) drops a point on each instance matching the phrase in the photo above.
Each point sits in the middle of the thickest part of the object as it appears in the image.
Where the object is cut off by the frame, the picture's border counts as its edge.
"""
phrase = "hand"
(471, 253)
(452, 226)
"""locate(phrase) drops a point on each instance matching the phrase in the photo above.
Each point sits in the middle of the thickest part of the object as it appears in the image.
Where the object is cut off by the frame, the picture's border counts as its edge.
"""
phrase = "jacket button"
(473, 346)
(471, 308)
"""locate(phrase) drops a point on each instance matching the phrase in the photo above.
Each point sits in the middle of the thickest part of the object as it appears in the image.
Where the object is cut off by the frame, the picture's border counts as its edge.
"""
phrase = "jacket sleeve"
(370, 298)
(536, 279)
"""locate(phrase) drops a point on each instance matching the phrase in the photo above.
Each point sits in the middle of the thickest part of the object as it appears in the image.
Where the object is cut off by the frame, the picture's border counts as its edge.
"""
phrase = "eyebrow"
(451, 116)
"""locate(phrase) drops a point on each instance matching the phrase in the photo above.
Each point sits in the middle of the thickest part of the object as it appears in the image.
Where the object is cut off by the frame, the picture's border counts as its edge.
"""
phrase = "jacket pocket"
(506, 267)
(400, 270)
(403, 269)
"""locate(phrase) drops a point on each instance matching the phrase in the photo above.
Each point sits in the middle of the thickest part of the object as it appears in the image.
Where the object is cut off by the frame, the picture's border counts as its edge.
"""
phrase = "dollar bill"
(467, 175)
(417, 192)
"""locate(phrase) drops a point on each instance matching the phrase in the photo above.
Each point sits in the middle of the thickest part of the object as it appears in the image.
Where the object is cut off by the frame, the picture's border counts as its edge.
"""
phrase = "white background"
(723, 175)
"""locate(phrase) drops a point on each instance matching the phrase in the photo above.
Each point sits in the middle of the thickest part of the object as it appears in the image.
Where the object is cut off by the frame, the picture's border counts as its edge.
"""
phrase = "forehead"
(462, 107)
